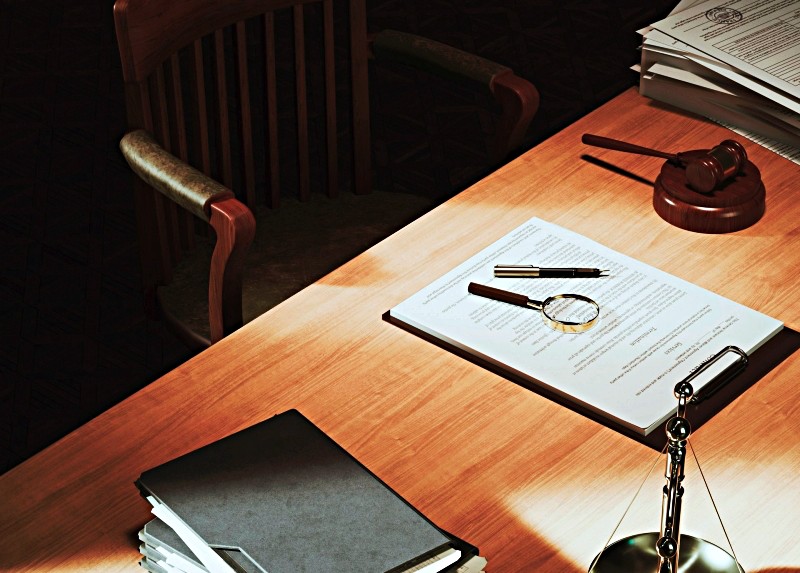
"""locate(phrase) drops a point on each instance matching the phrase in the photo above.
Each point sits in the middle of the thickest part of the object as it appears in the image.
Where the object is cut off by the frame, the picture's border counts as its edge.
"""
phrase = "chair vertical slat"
(161, 110)
(185, 220)
(170, 208)
(360, 102)
(178, 109)
(302, 104)
(147, 108)
(273, 163)
(246, 117)
(202, 108)
(224, 138)
(148, 207)
(155, 200)
(330, 100)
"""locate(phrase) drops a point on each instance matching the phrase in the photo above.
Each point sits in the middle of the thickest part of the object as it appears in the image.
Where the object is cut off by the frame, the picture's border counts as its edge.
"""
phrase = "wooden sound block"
(736, 205)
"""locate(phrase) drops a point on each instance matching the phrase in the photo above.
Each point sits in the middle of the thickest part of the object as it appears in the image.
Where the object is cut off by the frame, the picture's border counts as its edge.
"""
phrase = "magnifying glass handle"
(499, 294)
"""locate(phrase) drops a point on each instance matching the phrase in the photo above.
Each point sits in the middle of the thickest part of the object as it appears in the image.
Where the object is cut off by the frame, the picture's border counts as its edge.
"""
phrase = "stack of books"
(737, 63)
(282, 497)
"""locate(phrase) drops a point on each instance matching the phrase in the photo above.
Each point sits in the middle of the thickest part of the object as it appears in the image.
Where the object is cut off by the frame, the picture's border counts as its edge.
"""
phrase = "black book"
(164, 552)
(285, 497)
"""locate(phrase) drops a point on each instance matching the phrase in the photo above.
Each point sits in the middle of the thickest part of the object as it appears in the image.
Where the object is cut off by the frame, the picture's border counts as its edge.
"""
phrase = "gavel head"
(710, 171)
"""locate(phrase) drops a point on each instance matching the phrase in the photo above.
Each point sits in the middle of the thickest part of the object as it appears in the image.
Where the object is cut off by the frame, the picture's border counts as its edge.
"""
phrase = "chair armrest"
(164, 172)
(436, 58)
(517, 97)
(232, 221)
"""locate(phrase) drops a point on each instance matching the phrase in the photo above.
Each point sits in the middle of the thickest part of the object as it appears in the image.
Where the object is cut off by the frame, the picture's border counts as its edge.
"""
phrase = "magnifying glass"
(570, 313)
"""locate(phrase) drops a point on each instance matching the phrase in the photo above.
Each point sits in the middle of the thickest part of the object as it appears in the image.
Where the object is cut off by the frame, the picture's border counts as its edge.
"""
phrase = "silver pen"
(545, 272)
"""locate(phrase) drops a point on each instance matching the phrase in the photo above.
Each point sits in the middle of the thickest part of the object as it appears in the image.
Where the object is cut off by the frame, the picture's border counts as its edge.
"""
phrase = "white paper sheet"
(759, 37)
(654, 328)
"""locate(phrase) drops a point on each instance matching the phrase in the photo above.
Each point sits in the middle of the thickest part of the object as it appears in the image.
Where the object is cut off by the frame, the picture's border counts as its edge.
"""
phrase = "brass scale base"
(637, 554)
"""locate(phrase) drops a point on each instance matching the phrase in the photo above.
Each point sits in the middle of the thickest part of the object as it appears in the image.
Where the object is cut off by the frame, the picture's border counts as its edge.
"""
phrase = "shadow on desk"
(762, 361)
(618, 170)
(525, 562)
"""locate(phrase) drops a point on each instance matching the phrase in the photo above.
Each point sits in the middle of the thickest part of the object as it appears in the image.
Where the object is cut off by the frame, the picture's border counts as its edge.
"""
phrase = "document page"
(715, 71)
(759, 37)
(654, 329)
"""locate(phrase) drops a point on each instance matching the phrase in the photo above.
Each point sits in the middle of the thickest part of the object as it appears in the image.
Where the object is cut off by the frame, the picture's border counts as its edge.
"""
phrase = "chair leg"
(235, 228)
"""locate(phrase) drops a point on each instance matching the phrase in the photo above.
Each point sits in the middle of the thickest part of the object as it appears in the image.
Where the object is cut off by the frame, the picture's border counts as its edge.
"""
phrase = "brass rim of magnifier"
(567, 326)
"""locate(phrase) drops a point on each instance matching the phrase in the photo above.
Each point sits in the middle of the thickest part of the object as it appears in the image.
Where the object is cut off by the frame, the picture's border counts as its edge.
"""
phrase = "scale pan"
(637, 554)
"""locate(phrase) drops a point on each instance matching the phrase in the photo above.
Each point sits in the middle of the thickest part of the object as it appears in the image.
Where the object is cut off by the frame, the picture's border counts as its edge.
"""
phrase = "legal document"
(654, 328)
(760, 38)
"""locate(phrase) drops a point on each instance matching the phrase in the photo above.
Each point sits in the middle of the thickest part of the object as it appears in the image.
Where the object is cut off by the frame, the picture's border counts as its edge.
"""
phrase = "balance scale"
(668, 551)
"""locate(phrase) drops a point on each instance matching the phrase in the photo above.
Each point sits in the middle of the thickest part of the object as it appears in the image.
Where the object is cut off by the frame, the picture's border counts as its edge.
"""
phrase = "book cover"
(289, 499)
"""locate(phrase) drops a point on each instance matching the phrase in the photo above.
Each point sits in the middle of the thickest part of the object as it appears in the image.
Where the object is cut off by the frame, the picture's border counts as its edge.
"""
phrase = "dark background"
(75, 338)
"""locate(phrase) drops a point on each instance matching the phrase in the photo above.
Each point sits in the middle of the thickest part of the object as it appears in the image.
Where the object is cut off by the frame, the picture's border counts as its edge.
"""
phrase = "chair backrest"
(210, 47)
(208, 80)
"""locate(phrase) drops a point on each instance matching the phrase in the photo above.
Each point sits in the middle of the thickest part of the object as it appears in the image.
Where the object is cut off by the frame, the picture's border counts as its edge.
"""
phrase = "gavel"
(704, 173)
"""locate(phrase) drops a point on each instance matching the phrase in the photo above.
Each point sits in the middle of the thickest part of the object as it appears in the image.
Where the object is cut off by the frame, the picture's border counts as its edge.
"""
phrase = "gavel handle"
(615, 144)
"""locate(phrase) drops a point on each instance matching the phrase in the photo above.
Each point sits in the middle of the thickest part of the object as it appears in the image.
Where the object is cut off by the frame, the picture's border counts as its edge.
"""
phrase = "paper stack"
(164, 552)
(283, 497)
(736, 62)
(654, 329)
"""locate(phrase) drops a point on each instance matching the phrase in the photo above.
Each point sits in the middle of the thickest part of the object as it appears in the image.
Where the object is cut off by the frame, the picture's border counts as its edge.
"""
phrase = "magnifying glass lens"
(570, 312)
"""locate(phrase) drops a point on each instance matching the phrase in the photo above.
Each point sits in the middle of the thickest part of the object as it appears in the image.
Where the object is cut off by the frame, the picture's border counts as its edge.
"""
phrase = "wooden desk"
(535, 486)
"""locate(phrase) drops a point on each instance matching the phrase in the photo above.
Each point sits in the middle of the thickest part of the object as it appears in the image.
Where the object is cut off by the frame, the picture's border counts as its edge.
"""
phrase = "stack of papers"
(654, 328)
(737, 63)
(163, 551)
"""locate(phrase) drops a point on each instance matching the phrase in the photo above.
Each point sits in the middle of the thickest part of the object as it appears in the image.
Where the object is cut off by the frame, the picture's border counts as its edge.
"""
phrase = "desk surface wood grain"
(535, 486)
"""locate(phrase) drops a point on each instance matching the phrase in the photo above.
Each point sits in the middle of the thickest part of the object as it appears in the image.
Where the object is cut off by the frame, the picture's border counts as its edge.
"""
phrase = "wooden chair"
(210, 100)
